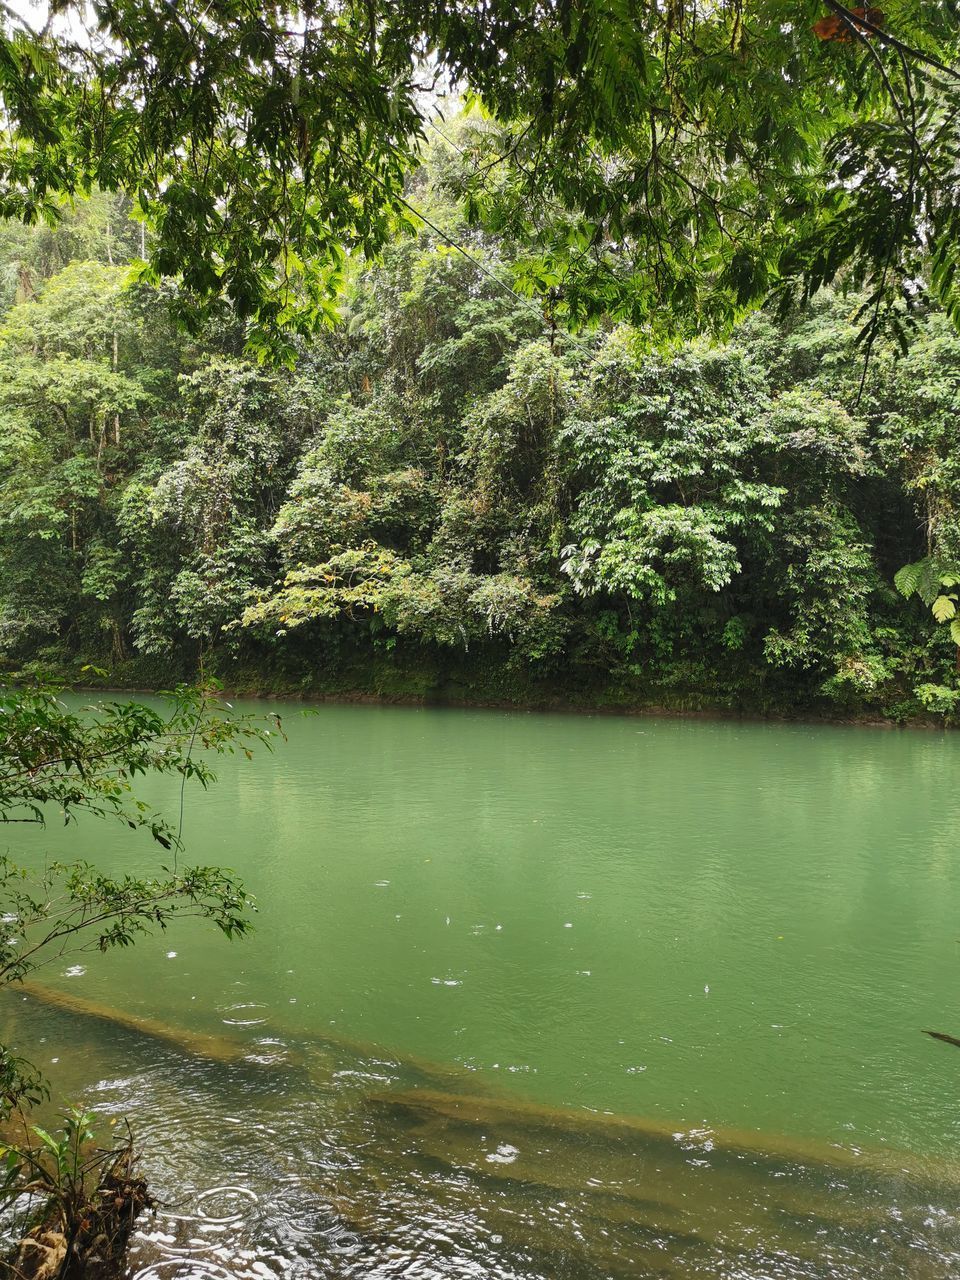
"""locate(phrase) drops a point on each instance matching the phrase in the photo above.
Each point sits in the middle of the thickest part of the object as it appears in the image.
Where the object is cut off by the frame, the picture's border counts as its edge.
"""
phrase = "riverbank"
(557, 706)
(487, 687)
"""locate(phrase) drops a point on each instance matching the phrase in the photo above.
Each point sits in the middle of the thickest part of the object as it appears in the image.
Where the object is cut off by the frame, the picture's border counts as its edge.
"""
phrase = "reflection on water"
(542, 998)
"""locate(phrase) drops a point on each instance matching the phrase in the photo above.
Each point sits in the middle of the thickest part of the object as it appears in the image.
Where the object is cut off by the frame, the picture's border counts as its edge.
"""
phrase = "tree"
(441, 496)
(75, 1204)
(669, 163)
(55, 762)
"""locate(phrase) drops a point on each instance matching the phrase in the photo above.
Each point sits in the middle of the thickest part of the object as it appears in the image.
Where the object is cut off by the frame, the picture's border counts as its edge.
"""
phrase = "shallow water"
(544, 996)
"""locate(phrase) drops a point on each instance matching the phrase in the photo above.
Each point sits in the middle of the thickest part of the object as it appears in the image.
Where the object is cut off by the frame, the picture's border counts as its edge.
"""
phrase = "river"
(540, 997)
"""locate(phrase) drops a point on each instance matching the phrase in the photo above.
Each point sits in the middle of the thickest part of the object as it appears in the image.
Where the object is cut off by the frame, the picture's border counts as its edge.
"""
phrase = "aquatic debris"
(84, 1236)
(942, 1035)
(504, 1154)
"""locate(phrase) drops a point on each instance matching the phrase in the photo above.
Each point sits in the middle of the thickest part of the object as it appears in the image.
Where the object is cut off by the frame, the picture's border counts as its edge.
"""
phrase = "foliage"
(931, 579)
(668, 165)
(55, 762)
(938, 699)
(352, 583)
(440, 492)
(74, 907)
(84, 1198)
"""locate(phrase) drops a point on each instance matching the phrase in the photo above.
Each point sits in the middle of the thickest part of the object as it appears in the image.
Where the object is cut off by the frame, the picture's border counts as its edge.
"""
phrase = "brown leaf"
(837, 27)
(827, 28)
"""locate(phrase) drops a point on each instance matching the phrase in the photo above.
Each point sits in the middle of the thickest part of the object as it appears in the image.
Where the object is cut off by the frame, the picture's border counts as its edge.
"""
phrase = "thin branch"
(853, 19)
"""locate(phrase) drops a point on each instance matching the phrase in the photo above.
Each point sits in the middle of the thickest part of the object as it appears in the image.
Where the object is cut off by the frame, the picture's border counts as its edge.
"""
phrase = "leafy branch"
(54, 760)
(931, 580)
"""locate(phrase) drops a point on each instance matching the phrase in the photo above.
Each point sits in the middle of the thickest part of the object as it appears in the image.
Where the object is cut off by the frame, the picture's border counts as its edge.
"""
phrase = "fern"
(928, 579)
(907, 579)
(944, 608)
(925, 578)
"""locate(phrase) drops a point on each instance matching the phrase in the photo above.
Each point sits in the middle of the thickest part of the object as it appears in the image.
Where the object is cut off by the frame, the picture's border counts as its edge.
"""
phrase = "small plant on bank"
(81, 1200)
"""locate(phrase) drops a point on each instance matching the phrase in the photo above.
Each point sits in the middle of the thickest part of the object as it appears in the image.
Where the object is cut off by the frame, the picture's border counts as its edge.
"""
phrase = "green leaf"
(47, 1139)
(907, 579)
(944, 608)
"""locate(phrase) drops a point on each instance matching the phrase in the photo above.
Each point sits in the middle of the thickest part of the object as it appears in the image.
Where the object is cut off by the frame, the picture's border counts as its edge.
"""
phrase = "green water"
(699, 927)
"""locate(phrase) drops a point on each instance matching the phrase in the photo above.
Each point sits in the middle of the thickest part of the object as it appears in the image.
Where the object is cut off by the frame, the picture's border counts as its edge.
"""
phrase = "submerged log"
(196, 1043)
(497, 1113)
(497, 1110)
(699, 1200)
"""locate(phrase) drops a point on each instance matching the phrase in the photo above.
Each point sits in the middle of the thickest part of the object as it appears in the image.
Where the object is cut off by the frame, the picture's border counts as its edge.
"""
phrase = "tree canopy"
(667, 163)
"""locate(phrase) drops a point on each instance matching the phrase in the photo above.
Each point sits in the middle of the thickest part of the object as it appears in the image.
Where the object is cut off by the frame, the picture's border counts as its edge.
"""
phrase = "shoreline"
(550, 706)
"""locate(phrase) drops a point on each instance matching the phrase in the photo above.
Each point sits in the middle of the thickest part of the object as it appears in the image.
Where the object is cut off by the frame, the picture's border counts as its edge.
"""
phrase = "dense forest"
(548, 353)
(446, 496)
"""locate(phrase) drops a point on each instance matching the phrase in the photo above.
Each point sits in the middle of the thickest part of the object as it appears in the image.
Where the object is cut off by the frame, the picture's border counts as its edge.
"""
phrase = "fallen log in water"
(198, 1044)
(498, 1112)
(221, 1048)
(700, 1199)
(571, 1191)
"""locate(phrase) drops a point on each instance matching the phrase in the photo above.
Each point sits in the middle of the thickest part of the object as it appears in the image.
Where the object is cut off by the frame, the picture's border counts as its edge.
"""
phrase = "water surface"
(545, 996)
